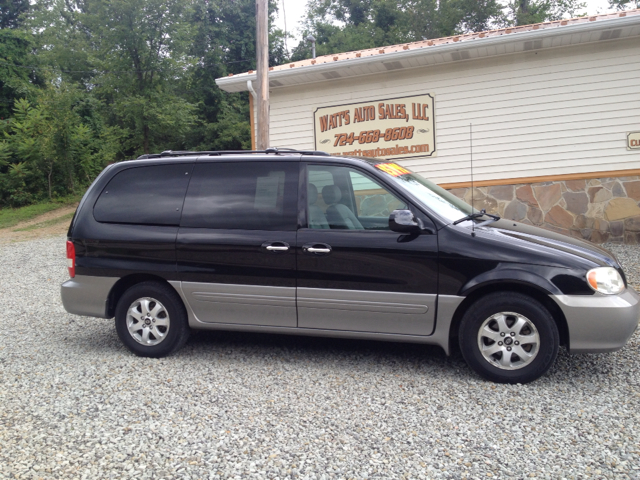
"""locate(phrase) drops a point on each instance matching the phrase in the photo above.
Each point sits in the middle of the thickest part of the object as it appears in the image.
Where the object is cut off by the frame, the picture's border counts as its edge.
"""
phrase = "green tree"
(526, 12)
(52, 147)
(224, 42)
(346, 25)
(22, 151)
(18, 79)
(443, 18)
(153, 65)
(130, 55)
(11, 12)
(141, 47)
(624, 4)
(87, 82)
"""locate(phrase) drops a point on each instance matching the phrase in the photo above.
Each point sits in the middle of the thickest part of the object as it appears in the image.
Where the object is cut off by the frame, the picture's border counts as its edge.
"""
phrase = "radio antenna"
(473, 224)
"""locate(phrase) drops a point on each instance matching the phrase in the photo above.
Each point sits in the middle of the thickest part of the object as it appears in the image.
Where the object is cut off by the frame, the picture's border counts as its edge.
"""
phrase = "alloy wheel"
(148, 321)
(508, 340)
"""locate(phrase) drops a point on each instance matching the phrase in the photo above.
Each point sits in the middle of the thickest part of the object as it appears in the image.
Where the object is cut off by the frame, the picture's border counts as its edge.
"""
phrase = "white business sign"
(390, 128)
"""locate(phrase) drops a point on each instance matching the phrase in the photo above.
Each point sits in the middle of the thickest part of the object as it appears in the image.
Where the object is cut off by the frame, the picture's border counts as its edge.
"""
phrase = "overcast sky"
(294, 10)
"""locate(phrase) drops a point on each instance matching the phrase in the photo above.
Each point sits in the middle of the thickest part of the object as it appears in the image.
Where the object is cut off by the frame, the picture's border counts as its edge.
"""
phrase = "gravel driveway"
(75, 404)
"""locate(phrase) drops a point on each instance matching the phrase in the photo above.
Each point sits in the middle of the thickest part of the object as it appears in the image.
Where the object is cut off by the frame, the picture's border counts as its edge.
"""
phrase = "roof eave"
(238, 83)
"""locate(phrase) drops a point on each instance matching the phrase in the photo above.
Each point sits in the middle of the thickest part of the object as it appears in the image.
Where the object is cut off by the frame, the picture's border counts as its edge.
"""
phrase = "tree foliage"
(624, 4)
(11, 12)
(526, 12)
(224, 43)
(87, 82)
(17, 77)
(51, 147)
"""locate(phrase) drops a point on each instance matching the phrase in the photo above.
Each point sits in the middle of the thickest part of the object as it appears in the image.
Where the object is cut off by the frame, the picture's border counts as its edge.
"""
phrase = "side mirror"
(403, 221)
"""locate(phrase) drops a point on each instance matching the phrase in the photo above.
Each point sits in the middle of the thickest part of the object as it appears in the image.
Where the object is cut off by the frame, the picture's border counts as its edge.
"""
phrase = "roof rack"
(273, 150)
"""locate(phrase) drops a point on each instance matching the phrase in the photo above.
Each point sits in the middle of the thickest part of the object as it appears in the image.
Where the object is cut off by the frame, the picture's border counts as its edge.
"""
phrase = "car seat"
(339, 215)
(317, 218)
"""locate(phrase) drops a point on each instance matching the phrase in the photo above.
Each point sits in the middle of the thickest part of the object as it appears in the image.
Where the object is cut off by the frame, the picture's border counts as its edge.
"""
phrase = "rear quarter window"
(151, 195)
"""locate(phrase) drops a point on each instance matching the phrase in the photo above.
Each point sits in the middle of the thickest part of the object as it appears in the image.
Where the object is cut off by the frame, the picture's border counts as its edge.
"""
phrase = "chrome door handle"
(318, 250)
(276, 247)
(271, 248)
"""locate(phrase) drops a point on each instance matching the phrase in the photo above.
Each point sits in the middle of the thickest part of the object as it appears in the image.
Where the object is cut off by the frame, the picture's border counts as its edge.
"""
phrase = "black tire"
(166, 330)
(528, 328)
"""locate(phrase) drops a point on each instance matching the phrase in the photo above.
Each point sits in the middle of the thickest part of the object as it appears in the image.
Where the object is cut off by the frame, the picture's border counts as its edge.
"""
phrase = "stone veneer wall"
(599, 210)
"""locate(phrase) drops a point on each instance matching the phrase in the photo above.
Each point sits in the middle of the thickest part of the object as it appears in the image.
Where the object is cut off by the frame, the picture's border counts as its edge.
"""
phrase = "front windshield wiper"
(481, 213)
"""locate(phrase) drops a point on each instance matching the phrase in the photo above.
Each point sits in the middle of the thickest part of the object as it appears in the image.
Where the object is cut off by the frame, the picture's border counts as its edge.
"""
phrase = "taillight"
(71, 259)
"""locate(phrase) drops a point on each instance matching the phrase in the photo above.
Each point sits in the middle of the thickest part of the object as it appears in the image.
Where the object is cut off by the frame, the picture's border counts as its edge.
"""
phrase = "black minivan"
(305, 243)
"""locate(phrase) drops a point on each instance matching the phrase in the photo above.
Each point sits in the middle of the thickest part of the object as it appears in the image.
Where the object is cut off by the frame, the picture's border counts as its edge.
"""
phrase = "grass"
(47, 223)
(12, 216)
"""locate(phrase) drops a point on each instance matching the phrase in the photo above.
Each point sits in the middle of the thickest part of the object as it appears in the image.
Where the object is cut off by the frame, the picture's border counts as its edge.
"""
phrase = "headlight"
(605, 280)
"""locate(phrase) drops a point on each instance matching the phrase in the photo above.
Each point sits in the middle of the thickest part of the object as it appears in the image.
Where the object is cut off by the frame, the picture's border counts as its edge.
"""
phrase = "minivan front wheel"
(508, 337)
(151, 320)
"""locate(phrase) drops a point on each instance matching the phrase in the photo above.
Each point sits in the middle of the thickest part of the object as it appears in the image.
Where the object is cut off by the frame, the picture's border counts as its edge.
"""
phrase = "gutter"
(251, 90)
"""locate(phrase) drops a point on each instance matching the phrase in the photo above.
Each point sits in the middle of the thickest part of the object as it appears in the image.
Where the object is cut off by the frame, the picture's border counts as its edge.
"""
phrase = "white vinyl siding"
(559, 111)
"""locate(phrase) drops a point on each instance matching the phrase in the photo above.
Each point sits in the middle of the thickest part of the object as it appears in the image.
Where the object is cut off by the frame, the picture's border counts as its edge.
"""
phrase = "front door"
(236, 243)
(353, 272)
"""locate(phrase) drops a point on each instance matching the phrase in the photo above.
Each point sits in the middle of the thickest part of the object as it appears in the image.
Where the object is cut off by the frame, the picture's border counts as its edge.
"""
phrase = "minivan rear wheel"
(508, 337)
(151, 320)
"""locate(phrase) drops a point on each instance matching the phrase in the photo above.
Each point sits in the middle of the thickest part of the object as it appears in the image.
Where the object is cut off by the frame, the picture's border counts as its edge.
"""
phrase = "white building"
(554, 109)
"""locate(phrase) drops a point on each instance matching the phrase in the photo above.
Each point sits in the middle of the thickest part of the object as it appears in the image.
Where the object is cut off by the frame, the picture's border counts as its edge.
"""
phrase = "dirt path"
(49, 224)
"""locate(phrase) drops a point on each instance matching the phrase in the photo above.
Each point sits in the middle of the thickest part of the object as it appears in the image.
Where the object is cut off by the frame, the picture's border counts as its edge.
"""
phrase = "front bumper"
(600, 323)
(87, 295)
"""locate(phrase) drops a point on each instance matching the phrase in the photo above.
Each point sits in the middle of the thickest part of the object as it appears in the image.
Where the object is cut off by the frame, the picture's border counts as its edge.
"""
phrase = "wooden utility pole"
(262, 64)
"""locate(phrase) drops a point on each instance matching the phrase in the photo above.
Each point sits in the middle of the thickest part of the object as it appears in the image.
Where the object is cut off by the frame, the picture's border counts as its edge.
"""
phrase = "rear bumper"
(87, 295)
(600, 323)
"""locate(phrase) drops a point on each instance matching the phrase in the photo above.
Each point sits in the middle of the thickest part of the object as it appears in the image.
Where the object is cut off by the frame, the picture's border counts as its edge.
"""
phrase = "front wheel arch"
(509, 337)
(532, 291)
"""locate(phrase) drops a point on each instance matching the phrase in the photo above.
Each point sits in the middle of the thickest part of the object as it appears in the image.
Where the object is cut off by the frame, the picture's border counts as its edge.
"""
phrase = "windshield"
(437, 199)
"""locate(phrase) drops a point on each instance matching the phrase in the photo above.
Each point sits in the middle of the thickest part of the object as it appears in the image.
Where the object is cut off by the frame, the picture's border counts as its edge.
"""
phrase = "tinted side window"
(243, 195)
(144, 195)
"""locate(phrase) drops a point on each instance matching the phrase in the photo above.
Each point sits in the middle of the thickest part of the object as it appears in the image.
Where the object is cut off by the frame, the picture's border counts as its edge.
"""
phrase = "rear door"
(236, 243)
(353, 272)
